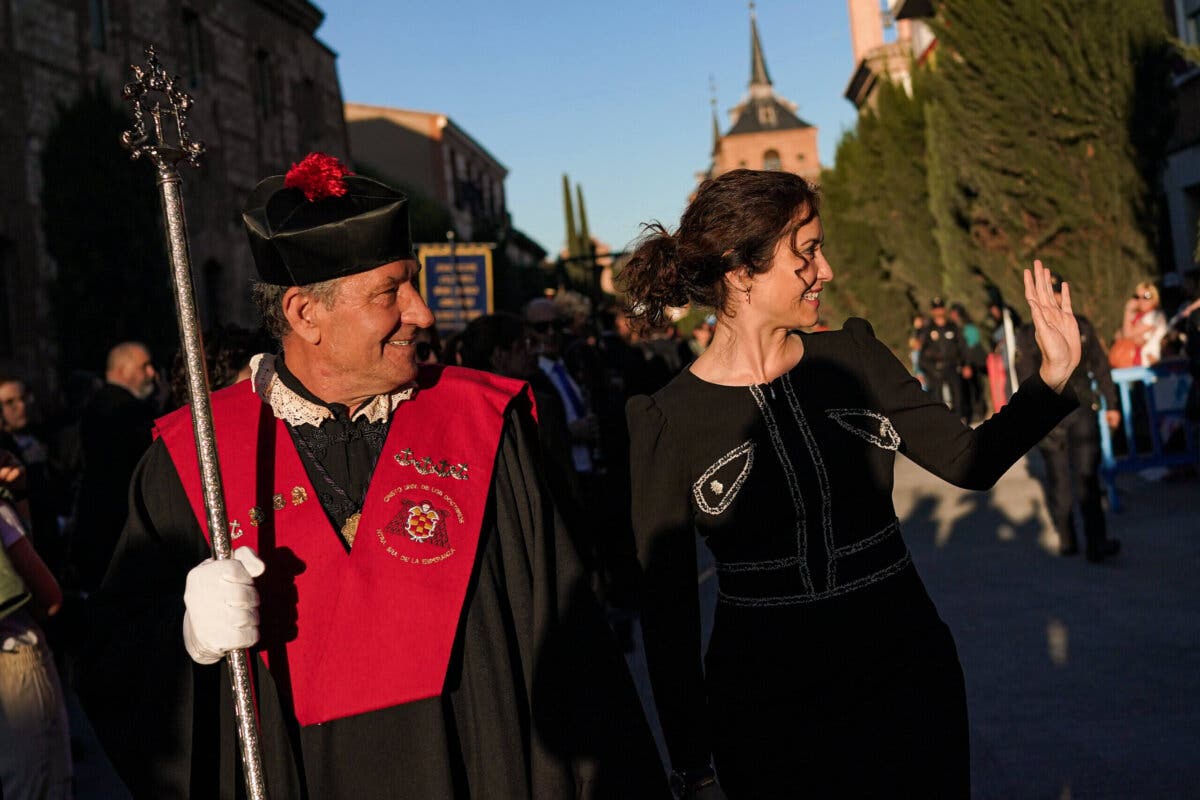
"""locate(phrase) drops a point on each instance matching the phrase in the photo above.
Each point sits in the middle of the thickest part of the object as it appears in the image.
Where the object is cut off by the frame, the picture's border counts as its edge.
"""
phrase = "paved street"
(1081, 678)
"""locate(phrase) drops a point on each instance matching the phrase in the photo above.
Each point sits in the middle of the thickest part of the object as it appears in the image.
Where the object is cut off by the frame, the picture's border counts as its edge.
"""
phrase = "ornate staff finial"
(153, 93)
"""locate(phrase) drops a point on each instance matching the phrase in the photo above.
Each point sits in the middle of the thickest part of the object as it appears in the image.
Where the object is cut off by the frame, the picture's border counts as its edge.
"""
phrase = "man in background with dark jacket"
(115, 433)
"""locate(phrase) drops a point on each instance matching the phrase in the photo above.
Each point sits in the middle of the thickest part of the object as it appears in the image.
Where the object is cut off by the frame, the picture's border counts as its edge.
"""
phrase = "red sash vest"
(344, 633)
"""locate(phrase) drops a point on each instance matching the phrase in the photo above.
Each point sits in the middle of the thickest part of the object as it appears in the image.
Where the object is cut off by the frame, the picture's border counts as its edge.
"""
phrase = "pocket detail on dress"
(867, 424)
(716, 488)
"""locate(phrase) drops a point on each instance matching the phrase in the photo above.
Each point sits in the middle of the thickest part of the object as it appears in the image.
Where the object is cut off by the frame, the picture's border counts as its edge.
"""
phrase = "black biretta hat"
(320, 222)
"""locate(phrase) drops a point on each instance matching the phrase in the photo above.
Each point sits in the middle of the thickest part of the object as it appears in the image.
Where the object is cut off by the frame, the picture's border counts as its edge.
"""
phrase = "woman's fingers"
(1066, 298)
(1045, 289)
(1030, 291)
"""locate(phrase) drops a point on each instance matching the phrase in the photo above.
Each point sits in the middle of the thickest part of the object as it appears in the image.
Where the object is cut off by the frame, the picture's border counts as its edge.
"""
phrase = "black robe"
(538, 701)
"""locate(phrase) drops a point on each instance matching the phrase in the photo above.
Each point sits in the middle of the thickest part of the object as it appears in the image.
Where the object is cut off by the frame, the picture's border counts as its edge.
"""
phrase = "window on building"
(772, 161)
(266, 84)
(1187, 21)
(766, 114)
(99, 20)
(193, 36)
(308, 107)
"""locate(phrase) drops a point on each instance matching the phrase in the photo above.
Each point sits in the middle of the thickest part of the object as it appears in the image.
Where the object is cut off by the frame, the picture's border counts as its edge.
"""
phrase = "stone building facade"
(427, 152)
(1181, 178)
(764, 132)
(875, 59)
(266, 92)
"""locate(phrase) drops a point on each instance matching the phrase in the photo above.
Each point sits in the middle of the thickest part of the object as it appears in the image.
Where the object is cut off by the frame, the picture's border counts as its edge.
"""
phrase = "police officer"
(943, 358)
(1072, 450)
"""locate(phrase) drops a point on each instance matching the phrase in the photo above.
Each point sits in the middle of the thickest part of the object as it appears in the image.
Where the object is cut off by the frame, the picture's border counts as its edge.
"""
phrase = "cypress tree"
(863, 285)
(1045, 134)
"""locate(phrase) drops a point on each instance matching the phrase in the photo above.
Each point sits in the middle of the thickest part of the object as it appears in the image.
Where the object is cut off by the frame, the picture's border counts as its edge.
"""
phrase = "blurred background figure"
(21, 435)
(974, 393)
(35, 749)
(428, 346)
(1144, 327)
(546, 329)
(1071, 451)
(702, 335)
(227, 351)
(115, 432)
(915, 333)
(943, 358)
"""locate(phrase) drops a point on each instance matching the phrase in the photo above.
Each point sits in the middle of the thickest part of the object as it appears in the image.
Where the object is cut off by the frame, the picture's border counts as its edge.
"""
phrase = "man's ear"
(302, 311)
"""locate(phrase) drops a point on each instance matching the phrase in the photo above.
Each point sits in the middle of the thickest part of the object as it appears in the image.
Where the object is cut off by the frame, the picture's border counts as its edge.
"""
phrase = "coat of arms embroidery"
(422, 523)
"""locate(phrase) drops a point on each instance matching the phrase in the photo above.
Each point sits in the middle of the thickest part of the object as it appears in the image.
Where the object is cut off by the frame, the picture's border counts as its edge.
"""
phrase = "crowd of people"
(531, 546)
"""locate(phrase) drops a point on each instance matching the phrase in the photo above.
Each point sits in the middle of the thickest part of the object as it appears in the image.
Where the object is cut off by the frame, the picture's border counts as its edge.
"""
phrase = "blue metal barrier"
(1165, 388)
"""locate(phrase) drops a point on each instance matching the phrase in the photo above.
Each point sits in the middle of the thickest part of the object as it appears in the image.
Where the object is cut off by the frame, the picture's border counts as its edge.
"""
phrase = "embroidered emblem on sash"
(424, 524)
(256, 516)
(420, 531)
(235, 530)
(277, 502)
(426, 466)
(299, 495)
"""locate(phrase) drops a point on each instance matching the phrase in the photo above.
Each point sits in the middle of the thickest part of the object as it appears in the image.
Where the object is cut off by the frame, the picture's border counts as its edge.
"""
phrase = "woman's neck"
(740, 356)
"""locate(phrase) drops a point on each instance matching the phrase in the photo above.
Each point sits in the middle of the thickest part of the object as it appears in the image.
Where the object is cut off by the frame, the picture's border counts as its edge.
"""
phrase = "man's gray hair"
(269, 299)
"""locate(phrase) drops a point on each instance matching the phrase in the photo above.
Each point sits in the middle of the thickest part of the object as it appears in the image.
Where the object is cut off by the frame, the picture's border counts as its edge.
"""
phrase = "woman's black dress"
(829, 672)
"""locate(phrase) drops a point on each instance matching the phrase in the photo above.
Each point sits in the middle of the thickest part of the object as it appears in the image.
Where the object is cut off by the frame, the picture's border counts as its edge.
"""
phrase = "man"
(115, 433)
(418, 622)
(943, 358)
(1072, 450)
(546, 327)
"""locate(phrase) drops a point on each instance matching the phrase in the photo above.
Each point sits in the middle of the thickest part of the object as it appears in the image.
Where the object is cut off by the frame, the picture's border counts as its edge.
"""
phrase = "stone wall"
(47, 57)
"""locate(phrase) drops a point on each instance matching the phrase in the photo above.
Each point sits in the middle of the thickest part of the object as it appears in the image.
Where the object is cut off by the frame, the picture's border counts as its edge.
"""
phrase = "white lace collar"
(295, 410)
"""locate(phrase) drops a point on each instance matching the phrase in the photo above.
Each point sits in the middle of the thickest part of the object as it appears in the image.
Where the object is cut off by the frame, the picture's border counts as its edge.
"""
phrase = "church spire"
(758, 63)
(716, 129)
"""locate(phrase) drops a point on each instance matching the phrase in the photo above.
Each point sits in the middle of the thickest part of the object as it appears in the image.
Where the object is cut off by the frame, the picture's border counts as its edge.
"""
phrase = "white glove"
(222, 606)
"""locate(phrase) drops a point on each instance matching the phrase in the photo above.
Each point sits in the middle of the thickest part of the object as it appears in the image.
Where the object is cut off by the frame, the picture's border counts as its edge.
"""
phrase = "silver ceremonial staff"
(153, 95)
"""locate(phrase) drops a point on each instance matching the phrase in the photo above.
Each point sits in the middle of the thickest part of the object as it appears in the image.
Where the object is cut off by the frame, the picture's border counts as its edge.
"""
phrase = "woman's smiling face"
(788, 293)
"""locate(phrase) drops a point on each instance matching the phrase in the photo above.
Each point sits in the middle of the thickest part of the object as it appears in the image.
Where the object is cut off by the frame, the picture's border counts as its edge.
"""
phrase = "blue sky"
(615, 94)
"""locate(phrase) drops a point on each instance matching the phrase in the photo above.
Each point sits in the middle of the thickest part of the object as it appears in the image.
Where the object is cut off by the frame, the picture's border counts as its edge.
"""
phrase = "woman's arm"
(936, 439)
(47, 596)
(666, 537)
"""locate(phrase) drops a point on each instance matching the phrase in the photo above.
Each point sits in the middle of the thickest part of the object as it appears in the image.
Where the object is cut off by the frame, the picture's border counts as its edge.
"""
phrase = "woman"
(1144, 324)
(35, 750)
(829, 672)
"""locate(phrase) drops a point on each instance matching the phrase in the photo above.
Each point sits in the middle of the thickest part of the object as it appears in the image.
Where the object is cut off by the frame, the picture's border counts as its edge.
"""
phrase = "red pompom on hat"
(318, 176)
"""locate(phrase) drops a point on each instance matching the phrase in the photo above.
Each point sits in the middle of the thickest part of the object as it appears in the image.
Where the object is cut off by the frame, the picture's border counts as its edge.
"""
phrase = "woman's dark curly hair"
(735, 220)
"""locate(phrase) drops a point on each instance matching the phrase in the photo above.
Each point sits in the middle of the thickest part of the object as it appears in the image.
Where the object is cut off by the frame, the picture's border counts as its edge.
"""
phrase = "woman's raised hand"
(1055, 327)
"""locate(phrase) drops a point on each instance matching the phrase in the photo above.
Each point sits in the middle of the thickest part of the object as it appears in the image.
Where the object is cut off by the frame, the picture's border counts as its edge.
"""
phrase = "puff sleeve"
(666, 538)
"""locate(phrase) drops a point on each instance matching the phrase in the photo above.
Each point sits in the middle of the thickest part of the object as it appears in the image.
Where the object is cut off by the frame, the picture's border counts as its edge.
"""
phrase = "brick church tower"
(765, 131)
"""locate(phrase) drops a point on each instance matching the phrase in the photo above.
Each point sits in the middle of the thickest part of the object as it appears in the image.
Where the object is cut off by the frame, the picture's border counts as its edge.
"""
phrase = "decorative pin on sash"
(426, 466)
